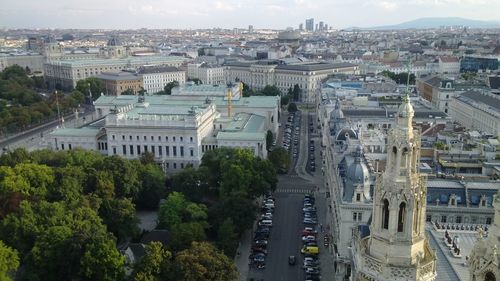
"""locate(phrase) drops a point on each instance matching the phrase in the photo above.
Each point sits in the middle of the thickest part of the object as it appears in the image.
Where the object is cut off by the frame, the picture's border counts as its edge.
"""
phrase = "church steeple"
(397, 230)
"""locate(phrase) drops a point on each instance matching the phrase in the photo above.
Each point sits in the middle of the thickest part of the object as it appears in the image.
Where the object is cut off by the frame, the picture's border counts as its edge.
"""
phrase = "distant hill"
(423, 23)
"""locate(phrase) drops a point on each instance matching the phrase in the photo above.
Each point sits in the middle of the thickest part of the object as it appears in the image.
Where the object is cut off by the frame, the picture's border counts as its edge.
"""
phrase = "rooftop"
(144, 60)
(118, 76)
(472, 98)
(149, 70)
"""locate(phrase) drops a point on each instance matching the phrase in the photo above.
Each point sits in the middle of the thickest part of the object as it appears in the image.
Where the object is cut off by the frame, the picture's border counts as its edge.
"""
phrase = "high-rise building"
(310, 24)
(321, 26)
(395, 247)
(250, 29)
(301, 26)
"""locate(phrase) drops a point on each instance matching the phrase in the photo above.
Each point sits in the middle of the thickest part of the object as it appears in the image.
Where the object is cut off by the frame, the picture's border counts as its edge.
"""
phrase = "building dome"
(357, 178)
(345, 133)
(358, 171)
(406, 109)
(114, 41)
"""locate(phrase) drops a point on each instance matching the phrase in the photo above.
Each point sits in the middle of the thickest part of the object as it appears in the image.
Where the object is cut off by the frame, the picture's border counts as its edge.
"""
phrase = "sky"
(192, 14)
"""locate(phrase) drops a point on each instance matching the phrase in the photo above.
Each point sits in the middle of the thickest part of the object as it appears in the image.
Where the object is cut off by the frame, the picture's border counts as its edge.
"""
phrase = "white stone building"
(176, 129)
(155, 78)
(477, 111)
(66, 73)
(307, 76)
(449, 65)
(208, 74)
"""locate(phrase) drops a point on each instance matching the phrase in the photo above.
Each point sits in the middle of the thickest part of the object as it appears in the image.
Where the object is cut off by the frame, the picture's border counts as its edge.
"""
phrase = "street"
(285, 238)
(36, 138)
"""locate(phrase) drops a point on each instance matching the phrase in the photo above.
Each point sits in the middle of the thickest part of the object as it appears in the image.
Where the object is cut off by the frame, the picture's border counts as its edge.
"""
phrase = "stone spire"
(398, 243)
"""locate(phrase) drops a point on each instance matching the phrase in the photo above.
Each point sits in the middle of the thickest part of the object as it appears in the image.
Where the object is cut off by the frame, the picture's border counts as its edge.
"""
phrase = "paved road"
(36, 137)
(285, 234)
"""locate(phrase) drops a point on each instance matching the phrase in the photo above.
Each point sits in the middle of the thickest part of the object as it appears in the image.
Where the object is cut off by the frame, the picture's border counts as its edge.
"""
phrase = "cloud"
(388, 6)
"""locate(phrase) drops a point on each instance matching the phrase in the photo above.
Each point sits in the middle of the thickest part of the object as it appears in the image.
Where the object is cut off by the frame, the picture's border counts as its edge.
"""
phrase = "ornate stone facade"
(484, 262)
(397, 248)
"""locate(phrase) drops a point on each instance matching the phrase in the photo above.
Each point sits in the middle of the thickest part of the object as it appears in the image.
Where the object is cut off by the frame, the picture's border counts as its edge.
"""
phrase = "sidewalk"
(241, 260)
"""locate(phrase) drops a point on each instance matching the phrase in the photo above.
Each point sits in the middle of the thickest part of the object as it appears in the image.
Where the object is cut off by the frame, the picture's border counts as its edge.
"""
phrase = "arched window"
(490, 276)
(404, 158)
(385, 214)
(401, 216)
(394, 156)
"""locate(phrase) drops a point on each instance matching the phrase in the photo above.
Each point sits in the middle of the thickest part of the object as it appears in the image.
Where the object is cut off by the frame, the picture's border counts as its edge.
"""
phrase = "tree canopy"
(21, 106)
(65, 211)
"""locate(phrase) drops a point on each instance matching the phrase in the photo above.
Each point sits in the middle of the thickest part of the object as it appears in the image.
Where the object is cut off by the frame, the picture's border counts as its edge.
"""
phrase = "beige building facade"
(307, 76)
(117, 82)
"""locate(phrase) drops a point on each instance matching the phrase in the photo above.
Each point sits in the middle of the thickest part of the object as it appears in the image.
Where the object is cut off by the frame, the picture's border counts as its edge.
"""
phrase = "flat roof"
(472, 96)
(128, 60)
(253, 101)
(76, 132)
(314, 66)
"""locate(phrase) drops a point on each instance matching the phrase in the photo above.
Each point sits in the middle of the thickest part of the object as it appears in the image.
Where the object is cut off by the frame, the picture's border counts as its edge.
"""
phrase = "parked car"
(308, 238)
(310, 221)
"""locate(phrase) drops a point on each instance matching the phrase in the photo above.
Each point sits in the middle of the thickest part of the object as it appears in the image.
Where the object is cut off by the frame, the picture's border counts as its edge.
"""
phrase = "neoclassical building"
(395, 246)
(484, 259)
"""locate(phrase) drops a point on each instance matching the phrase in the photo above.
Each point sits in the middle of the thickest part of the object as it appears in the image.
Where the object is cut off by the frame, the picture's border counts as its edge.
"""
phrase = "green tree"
(95, 85)
(124, 175)
(192, 182)
(284, 100)
(271, 91)
(183, 234)
(227, 238)
(296, 92)
(292, 107)
(269, 139)
(18, 74)
(147, 158)
(247, 92)
(202, 262)
(120, 218)
(171, 211)
(141, 92)
(9, 262)
(70, 237)
(75, 98)
(152, 189)
(155, 265)
(128, 92)
(280, 159)
(167, 90)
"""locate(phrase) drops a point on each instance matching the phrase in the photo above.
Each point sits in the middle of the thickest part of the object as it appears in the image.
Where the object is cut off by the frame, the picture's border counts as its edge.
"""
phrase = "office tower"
(310, 24)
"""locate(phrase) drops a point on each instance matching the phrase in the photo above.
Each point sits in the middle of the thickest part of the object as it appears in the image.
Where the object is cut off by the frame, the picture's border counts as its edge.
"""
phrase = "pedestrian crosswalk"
(294, 190)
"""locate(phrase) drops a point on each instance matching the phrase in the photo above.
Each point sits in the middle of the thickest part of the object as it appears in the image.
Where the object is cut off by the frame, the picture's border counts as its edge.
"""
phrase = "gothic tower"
(484, 262)
(397, 248)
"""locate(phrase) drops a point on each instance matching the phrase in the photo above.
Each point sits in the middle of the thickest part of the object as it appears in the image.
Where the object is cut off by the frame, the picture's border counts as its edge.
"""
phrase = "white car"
(308, 238)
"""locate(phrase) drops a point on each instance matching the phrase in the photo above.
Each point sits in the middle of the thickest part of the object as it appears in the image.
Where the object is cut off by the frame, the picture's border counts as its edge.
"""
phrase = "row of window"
(459, 219)
(159, 138)
(156, 150)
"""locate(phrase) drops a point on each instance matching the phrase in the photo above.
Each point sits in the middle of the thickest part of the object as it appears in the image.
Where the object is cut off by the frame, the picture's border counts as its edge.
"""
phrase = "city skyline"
(276, 14)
